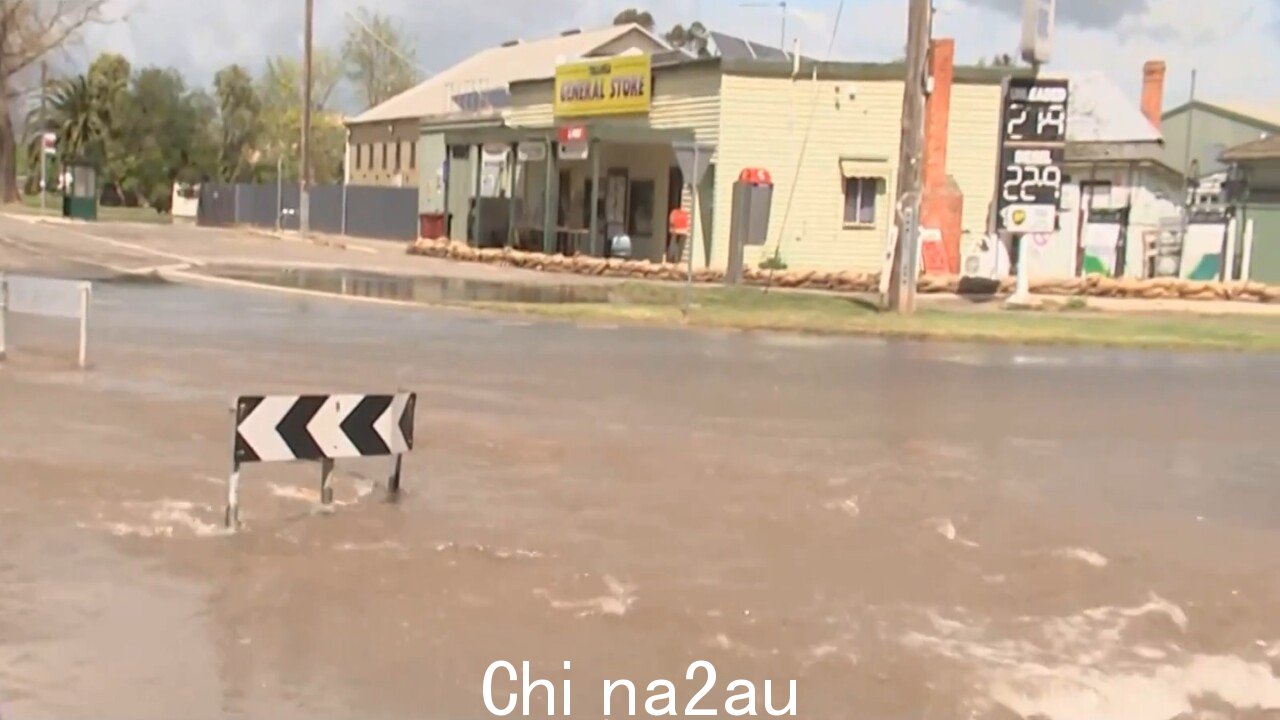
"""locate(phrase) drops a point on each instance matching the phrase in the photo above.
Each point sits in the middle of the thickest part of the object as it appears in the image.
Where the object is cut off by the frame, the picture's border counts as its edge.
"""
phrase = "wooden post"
(902, 284)
(594, 149)
(549, 195)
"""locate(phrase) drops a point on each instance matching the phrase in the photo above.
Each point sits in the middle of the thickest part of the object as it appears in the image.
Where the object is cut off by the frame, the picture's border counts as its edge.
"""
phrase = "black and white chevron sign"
(271, 428)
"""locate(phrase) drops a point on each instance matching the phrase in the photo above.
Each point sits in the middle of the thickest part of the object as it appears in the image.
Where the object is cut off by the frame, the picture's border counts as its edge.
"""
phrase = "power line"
(804, 142)
(391, 48)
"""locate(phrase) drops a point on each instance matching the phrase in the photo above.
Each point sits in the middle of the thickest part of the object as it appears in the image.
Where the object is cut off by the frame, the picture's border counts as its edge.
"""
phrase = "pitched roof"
(1259, 116)
(482, 79)
(1099, 111)
(1267, 148)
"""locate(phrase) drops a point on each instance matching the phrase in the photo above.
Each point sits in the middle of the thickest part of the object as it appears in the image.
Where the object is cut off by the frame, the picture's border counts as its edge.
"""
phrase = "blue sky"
(1235, 44)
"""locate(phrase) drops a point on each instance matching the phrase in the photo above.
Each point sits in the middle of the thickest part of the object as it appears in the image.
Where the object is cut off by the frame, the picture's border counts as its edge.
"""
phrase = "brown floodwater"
(905, 530)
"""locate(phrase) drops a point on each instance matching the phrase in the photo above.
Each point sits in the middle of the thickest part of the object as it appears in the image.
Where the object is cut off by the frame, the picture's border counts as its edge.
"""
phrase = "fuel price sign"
(1033, 136)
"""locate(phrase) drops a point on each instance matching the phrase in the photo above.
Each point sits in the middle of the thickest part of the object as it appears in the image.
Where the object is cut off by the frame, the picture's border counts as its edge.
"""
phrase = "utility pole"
(304, 176)
(902, 281)
(44, 155)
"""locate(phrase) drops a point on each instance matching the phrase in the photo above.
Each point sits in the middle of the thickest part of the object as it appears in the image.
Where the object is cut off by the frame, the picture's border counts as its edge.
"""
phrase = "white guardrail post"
(46, 297)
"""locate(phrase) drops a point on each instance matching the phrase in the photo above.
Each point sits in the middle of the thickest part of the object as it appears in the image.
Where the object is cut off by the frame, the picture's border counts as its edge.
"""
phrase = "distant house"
(1119, 191)
(1255, 196)
(1209, 130)
(382, 141)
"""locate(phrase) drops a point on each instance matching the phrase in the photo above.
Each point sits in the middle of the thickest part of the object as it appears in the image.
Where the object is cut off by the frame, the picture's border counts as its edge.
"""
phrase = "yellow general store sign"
(614, 86)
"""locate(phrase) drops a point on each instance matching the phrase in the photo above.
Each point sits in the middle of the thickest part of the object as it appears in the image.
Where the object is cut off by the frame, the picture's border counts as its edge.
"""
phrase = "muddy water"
(420, 289)
(906, 530)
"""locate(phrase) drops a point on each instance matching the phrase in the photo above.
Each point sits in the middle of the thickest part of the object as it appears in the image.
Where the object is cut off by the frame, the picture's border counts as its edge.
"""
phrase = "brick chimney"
(1153, 91)
(942, 203)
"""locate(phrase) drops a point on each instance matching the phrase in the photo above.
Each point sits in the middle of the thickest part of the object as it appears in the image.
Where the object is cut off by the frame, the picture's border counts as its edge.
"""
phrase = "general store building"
(827, 133)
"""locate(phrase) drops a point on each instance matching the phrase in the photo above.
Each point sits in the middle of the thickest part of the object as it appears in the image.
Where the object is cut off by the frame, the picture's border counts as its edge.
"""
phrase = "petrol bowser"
(749, 217)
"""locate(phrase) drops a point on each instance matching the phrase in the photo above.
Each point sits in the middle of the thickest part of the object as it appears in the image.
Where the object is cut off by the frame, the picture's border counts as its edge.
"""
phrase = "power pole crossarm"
(902, 282)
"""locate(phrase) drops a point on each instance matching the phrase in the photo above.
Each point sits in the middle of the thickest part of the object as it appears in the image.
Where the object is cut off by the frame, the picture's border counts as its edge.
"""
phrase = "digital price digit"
(1053, 116)
(1012, 186)
(1017, 119)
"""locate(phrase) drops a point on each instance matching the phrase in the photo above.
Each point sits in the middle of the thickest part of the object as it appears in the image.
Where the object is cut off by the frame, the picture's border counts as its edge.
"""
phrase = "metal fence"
(373, 212)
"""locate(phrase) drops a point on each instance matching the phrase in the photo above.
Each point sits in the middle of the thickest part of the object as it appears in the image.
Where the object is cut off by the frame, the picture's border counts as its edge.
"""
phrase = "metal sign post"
(1033, 137)
(284, 428)
(694, 158)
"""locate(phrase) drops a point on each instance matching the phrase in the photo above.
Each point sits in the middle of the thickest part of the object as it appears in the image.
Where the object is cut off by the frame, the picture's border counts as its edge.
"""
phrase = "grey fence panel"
(257, 204)
(326, 209)
(381, 212)
(217, 205)
(373, 212)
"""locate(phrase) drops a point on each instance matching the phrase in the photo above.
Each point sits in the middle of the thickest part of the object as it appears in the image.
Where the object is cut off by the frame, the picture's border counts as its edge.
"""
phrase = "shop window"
(355, 160)
(398, 156)
(384, 156)
(860, 200)
(413, 155)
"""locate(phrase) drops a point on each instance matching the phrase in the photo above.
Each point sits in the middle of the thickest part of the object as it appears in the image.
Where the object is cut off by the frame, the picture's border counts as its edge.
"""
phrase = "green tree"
(108, 78)
(280, 91)
(29, 31)
(693, 38)
(75, 118)
(643, 18)
(239, 124)
(378, 57)
(167, 133)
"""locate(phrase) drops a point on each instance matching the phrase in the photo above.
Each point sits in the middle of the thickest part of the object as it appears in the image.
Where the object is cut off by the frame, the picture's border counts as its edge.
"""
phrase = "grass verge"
(31, 204)
(753, 309)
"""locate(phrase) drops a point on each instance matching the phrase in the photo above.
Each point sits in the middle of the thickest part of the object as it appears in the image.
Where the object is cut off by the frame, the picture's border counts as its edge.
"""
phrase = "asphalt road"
(906, 530)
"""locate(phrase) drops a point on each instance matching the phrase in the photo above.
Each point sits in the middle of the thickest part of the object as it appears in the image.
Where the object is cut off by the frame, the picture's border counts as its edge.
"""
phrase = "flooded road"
(907, 530)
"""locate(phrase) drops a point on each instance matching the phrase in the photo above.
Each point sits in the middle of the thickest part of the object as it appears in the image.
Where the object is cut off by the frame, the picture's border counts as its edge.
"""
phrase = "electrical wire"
(804, 142)
(391, 48)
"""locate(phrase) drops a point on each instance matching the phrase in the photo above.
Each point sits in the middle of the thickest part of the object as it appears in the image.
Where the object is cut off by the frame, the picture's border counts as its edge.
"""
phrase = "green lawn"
(53, 207)
(754, 309)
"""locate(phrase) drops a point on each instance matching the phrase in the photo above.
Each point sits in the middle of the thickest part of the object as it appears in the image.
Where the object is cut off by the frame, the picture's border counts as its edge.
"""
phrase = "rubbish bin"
(80, 199)
(678, 227)
(431, 225)
(749, 217)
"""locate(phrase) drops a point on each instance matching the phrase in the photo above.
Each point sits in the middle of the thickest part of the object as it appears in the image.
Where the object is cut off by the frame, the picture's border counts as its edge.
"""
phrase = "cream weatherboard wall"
(972, 146)
(801, 130)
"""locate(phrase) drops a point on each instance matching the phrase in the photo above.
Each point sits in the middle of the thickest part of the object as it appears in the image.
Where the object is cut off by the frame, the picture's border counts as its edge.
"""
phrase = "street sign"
(49, 143)
(275, 428)
(1037, 31)
(280, 428)
(694, 158)
(1033, 136)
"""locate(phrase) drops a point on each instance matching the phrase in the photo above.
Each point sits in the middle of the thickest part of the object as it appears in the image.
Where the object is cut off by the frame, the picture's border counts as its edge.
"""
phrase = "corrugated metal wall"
(372, 212)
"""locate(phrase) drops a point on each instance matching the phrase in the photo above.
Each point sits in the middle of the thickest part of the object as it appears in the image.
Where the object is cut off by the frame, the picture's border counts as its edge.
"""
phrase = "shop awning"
(864, 167)
(502, 135)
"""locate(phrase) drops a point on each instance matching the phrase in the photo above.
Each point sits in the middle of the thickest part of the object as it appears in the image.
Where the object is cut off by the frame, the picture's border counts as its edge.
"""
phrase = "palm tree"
(77, 119)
